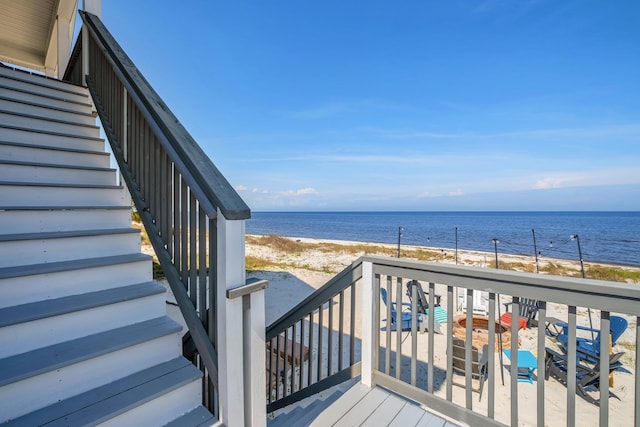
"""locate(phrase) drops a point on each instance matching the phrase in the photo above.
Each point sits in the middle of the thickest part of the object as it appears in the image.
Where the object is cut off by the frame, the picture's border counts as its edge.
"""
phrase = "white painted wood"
(28, 153)
(37, 287)
(255, 369)
(333, 413)
(386, 412)
(32, 95)
(230, 274)
(43, 390)
(48, 125)
(45, 111)
(65, 34)
(361, 410)
(61, 93)
(57, 329)
(93, 6)
(20, 172)
(33, 195)
(25, 252)
(368, 307)
(27, 136)
(42, 220)
(162, 409)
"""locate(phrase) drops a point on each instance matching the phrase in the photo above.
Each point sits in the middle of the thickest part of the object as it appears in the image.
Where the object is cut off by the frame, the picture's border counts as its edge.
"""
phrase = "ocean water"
(609, 237)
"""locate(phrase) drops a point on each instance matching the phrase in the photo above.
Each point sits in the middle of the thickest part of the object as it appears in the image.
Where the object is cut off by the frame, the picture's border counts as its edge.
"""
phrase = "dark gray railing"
(176, 189)
(313, 346)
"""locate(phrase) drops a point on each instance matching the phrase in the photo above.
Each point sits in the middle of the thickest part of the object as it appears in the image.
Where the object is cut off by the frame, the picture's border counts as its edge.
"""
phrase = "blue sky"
(408, 105)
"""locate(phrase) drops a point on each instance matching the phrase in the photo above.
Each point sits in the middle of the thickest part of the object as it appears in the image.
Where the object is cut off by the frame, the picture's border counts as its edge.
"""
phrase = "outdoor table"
(552, 326)
(527, 363)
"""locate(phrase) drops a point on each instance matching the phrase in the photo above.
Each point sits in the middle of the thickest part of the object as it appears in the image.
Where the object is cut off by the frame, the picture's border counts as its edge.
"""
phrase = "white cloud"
(300, 192)
(458, 192)
(547, 183)
(427, 194)
(241, 188)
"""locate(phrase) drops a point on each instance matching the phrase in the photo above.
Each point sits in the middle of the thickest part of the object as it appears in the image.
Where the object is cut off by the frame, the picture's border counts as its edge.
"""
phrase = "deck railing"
(192, 215)
(420, 365)
(314, 346)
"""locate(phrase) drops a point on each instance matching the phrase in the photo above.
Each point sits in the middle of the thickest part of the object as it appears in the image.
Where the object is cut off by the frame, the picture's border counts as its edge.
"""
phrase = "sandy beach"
(294, 275)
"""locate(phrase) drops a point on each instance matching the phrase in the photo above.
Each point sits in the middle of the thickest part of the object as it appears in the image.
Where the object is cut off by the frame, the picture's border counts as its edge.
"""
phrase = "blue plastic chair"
(589, 349)
(405, 316)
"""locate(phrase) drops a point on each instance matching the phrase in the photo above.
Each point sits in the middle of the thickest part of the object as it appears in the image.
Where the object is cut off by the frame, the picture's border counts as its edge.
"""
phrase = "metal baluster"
(330, 339)
(340, 329)
(310, 372)
(320, 344)
(352, 327)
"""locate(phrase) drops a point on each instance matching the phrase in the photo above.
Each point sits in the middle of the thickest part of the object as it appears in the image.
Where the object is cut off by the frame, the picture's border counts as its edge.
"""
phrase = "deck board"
(386, 412)
(409, 416)
(363, 406)
(361, 410)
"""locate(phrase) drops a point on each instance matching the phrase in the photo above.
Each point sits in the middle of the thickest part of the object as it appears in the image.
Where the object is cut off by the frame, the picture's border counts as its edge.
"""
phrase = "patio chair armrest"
(565, 325)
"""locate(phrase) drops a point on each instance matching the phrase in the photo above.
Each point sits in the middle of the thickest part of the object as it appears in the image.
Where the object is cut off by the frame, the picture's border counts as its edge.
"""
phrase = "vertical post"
(577, 239)
(535, 249)
(495, 246)
(233, 375)
(456, 245)
(94, 7)
(399, 236)
(369, 304)
(64, 45)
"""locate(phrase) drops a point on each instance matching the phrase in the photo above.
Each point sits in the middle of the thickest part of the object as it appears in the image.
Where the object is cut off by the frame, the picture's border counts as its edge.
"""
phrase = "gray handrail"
(175, 187)
(202, 175)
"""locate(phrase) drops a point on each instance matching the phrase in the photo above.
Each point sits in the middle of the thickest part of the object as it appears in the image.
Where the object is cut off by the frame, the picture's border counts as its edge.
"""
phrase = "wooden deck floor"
(364, 406)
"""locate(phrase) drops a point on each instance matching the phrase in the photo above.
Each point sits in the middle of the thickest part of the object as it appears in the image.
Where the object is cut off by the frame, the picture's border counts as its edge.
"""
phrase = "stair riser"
(48, 126)
(49, 140)
(46, 112)
(26, 289)
(63, 220)
(17, 195)
(43, 390)
(48, 91)
(55, 157)
(84, 107)
(54, 175)
(39, 81)
(15, 253)
(162, 409)
(57, 329)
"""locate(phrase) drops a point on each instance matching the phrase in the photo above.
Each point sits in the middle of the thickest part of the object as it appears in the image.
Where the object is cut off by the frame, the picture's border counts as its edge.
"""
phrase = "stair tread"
(97, 403)
(63, 208)
(37, 104)
(48, 119)
(65, 234)
(43, 95)
(48, 132)
(40, 80)
(54, 165)
(69, 304)
(198, 417)
(47, 147)
(21, 366)
(76, 264)
(53, 184)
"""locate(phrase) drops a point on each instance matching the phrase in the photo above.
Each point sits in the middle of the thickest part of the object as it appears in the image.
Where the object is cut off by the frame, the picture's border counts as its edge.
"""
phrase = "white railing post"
(255, 360)
(231, 273)
(368, 316)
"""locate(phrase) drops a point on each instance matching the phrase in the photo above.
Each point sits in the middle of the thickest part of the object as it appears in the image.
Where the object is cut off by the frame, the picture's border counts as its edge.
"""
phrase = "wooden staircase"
(84, 336)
